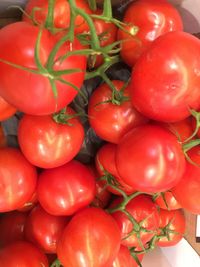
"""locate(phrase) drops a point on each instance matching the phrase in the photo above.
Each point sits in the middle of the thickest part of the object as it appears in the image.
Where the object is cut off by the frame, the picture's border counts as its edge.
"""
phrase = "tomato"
(61, 13)
(29, 92)
(187, 191)
(145, 213)
(30, 204)
(153, 18)
(17, 179)
(2, 137)
(44, 230)
(173, 223)
(12, 227)
(92, 238)
(66, 189)
(105, 162)
(150, 159)
(22, 254)
(111, 121)
(50, 144)
(124, 258)
(167, 201)
(6, 110)
(165, 82)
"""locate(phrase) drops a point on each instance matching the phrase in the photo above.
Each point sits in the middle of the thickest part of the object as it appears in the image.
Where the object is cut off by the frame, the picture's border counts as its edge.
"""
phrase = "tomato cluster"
(59, 211)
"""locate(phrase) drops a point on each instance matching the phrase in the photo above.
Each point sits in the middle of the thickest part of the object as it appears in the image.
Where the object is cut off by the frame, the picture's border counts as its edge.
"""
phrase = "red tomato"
(165, 82)
(92, 238)
(12, 227)
(145, 213)
(124, 258)
(153, 18)
(6, 110)
(44, 230)
(174, 224)
(167, 201)
(50, 144)
(61, 13)
(187, 191)
(17, 179)
(111, 121)
(66, 189)
(150, 159)
(2, 137)
(22, 254)
(30, 204)
(32, 93)
(105, 162)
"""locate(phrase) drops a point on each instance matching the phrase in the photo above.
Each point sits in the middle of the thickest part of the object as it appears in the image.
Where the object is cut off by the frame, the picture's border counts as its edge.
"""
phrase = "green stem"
(107, 9)
(93, 5)
(49, 23)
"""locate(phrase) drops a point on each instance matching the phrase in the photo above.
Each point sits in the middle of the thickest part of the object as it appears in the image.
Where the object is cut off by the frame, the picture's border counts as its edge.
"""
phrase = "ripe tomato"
(22, 254)
(2, 137)
(66, 189)
(17, 179)
(61, 13)
(29, 92)
(92, 238)
(150, 159)
(167, 201)
(111, 121)
(173, 222)
(165, 82)
(30, 204)
(44, 230)
(145, 213)
(12, 227)
(153, 18)
(6, 110)
(50, 144)
(187, 191)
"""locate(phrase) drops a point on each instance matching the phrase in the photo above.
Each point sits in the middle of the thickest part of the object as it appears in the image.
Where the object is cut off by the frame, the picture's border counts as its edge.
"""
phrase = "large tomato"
(153, 18)
(92, 238)
(165, 82)
(29, 92)
(66, 189)
(150, 159)
(22, 254)
(111, 121)
(17, 179)
(44, 230)
(6, 110)
(50, 144)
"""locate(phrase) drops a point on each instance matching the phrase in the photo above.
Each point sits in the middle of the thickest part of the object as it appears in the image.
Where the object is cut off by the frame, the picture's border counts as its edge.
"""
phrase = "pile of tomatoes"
(129, 199)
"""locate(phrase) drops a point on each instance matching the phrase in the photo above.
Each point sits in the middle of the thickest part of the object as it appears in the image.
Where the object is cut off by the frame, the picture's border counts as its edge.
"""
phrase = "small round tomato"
(66, 189)
(153, 18)
(167, 201)
(6, 110)
(145, 213)
(150, 159)
(18, 179)
(172, 226)
(22, 254)
(91, 238)
(50, 144)
(44, 230)
(111, 121)
(12, 227)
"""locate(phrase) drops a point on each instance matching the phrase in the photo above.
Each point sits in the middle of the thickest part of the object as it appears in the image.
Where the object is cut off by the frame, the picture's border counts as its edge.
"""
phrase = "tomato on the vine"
(167, 201)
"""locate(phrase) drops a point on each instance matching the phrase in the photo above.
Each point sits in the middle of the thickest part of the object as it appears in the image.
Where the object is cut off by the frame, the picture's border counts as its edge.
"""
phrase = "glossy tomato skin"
(50, 144)
(165, 82)
(141, 208)
(175, 221)
(12, 227)
(92, 238)
(24, 89)
(44, 230)
(167, 201)
(22, 254)
(61, 14)
(30, 204)
(18, 179)
(6, 110)
(110, 121)
(150, 159)
(153, 19)
(66, 189)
